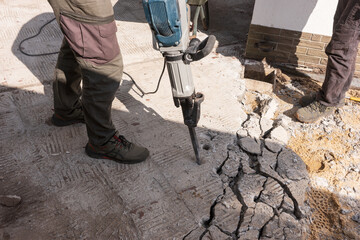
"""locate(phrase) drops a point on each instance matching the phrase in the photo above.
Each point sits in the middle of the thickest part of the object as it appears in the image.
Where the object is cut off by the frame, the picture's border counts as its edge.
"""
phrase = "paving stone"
(250, 187)
(280, 134)
(250, 145)
(10, 200)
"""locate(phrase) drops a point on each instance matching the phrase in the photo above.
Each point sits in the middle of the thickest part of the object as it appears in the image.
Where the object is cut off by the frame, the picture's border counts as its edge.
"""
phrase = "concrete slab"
(65, 194)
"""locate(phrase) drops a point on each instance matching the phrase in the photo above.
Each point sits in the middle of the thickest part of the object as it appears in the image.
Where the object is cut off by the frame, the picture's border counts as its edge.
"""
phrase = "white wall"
(312, 16)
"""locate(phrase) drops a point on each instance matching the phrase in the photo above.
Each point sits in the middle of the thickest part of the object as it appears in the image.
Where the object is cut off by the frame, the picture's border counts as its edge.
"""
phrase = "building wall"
(292, 32)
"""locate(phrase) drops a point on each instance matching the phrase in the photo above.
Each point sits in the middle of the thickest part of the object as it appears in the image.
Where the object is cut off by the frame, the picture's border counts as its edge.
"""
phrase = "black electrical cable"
(51, 53)
(26, 39)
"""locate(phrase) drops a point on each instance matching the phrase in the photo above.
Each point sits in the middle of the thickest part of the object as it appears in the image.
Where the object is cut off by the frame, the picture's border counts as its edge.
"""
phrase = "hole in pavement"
(207, 147)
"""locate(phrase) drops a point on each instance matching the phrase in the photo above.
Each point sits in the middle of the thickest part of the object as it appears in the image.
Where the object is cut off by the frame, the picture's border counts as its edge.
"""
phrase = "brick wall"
(290, 47)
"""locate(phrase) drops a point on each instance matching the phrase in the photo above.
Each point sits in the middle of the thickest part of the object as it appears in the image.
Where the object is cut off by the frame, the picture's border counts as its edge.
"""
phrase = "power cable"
(51, 53)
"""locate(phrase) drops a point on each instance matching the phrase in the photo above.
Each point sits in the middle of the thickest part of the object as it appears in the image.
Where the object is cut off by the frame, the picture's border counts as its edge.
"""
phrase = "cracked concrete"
(250, 185)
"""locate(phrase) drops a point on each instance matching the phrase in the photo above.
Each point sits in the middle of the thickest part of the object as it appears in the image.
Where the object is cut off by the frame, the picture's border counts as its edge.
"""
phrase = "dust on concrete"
(330, 150)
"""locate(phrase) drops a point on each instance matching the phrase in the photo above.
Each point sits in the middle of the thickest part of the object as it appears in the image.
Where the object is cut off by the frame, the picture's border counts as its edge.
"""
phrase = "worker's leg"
(90, 30)
(66, 87)
(342, 52)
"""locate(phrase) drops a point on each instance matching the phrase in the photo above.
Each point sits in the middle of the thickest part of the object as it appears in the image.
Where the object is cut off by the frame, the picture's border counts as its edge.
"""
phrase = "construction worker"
(342, 52)
(90, 53)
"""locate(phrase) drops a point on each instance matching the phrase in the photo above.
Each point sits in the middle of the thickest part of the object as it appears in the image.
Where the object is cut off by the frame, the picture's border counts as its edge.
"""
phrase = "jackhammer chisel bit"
(168, 20)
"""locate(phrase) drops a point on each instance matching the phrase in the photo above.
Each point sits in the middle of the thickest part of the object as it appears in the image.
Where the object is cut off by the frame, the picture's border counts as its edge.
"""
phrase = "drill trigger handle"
(199, 49)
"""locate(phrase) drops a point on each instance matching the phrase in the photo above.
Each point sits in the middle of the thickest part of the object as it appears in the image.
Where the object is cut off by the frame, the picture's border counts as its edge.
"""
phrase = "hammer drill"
(168, 20)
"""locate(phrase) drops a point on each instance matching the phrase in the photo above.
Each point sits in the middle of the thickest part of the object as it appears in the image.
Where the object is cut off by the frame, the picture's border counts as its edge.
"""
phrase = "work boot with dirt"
(313, 112)
(118, 149)
(60, 121)
(307, 99)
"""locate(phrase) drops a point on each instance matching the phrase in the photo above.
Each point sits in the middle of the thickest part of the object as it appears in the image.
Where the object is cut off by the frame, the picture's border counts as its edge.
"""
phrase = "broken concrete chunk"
(291, 166)
(250, 145)
(242, 115)
(273, 146)
(292, 228)
(263, 213)
(215, 234)
(272, 230)
(268, 159)
(288, 204)
(227, 212)
(250, 187)
(268, 107)
(245, 163)
(273, 194)
(10, 200)
(280, 134)
(249, 235)
(194, 234)
(241, 133)
(356, 218)
(231, 166)
(253, 126)
(266, 124)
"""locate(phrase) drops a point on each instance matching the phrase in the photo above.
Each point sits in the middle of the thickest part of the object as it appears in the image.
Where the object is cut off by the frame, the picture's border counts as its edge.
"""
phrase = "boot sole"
(323, 116)
(103, 156)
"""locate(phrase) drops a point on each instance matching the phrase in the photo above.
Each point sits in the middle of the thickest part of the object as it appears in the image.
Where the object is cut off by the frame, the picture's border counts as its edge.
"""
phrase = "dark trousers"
(342, 52)
(89, 54)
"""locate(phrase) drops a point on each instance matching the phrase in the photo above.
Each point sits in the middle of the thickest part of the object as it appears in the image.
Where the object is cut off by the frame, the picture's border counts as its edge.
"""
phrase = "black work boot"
(118, 149)
(60, 121)
(307, 99)
(313, 112)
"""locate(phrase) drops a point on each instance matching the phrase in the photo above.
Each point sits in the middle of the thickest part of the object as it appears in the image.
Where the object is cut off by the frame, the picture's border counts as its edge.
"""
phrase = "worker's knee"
(93, 40)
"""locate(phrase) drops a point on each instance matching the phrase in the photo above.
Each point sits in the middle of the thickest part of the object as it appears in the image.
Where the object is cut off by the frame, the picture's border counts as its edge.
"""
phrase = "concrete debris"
(227, 212)
(356, 218)
(250, 145)
(214, 233)
(268, 107)
(266, 124)
(250, 187)
(291, 166)
(273, 145)
(10, 200)
(280, 134)
(252, 126)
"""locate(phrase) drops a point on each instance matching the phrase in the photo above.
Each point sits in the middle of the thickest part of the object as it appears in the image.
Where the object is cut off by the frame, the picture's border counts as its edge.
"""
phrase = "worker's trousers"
(342, 52)
(89, 53)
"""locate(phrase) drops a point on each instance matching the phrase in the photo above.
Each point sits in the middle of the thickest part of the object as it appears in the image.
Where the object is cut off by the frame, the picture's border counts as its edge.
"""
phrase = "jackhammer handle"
(199, 50)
